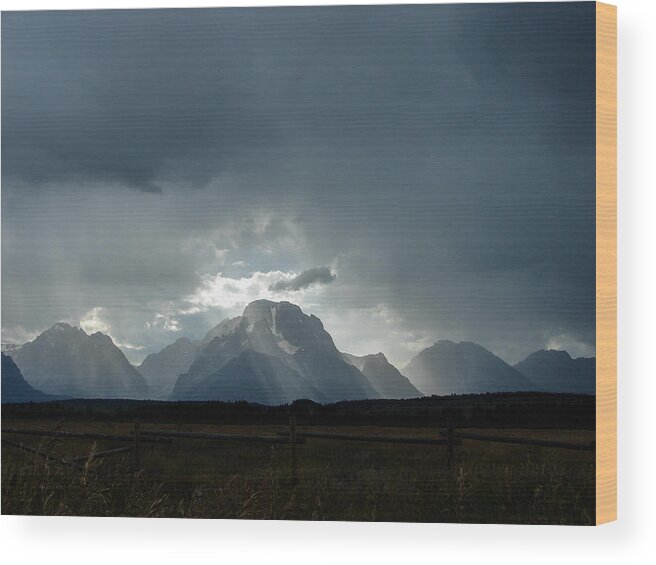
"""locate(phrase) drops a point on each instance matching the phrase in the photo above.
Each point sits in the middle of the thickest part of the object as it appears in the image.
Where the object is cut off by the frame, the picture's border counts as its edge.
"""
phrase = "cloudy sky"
(407, 174)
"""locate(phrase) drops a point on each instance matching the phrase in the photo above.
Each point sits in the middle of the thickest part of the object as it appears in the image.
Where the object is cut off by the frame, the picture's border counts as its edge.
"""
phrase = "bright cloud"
(166, 323)
(93, 322)
(219, 291)
(126, 345)
(17, 335)
(569, 343)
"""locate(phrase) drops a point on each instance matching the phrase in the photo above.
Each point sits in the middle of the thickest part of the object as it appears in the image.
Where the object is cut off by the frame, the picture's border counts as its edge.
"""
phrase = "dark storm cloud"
(135, 97)
(145, 97)
(317, 275)
(444, 155)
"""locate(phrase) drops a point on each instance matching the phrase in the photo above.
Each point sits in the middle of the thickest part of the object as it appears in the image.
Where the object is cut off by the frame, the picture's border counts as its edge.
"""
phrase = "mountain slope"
(162, 369)
(280, 330)
(66, 361)
(15, 388)
(556, 371)
(259, 378)
(383, 376)
(463, 368)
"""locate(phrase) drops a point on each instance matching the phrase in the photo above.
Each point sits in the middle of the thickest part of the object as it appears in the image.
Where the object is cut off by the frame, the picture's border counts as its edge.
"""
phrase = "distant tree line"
(498, 410)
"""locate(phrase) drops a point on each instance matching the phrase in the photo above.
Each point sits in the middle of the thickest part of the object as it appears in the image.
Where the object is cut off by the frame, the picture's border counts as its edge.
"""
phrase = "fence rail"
(523, 441)
(217, 437)
(80, 435)
(43, 454)
(450, 439)
(374, 439)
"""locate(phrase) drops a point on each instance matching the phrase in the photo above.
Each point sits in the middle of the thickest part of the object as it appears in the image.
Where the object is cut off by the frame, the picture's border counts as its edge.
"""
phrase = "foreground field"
(486, 482)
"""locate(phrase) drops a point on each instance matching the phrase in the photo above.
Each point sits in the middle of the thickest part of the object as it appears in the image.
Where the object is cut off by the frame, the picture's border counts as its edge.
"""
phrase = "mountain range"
(552, 370)
(463, 368)
(66, 361)
(15, 388)
(163, 368)
(274, 353)
(217, 350)
(279, 350)
(383, 376)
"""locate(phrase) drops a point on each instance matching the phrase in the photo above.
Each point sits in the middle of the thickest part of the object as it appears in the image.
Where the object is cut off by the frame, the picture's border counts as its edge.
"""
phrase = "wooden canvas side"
(606, 263)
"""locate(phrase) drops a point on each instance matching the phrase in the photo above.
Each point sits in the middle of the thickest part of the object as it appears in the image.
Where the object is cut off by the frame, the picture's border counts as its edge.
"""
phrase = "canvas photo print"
(301, 263)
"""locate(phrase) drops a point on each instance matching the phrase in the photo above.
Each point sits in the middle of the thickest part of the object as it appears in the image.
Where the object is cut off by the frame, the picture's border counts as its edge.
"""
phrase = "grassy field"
(487, 482)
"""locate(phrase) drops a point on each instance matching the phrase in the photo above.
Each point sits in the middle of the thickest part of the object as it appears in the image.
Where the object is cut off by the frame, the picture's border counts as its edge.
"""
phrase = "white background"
(631, 539)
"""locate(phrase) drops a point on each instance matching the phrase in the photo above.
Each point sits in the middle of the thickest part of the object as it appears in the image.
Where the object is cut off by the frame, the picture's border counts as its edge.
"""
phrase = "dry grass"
(487, 482)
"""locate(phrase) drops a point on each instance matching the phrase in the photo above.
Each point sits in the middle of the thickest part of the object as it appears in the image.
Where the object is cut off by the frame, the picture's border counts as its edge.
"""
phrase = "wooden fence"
(449, 439)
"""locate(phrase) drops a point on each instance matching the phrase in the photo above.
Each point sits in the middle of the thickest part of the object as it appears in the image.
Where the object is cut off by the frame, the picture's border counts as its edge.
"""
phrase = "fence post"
(292, 440)
(137, 446)
(449, 442)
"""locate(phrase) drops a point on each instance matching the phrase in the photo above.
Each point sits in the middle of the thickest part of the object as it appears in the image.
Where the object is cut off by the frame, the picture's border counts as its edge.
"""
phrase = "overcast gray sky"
(406, 173)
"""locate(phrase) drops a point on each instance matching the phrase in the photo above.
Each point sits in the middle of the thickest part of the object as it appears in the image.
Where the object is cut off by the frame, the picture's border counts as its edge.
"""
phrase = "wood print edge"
(606, 262)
